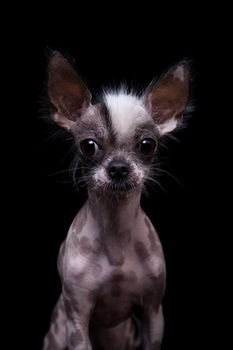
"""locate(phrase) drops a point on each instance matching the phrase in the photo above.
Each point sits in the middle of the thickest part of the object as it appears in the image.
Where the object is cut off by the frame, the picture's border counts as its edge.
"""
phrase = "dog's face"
(116, 138)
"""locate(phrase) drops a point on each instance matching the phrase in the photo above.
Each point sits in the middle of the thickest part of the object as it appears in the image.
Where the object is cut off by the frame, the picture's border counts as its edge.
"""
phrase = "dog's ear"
(67, 93)
(166, 99)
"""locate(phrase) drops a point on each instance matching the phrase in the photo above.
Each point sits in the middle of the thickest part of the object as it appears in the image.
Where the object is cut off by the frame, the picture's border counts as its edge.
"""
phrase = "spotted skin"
(76, 337)
(85, 247)
(99, 295)
(56, 336)
(111, 262)
(97, 270)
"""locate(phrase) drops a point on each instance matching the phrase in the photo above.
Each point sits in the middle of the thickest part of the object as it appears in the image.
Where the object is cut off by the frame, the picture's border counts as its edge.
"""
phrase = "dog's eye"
(89, 147)
(147, 147)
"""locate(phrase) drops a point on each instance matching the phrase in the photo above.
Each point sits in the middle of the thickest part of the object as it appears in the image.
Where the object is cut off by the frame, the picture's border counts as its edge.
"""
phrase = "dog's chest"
(113, 285)
(121, 288)
(118, 291)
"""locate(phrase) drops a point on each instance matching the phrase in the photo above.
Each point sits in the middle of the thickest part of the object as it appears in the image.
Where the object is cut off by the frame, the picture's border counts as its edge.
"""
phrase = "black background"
(132, 48)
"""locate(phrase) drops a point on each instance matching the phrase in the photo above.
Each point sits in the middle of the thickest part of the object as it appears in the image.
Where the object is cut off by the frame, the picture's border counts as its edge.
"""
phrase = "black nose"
(118, 170)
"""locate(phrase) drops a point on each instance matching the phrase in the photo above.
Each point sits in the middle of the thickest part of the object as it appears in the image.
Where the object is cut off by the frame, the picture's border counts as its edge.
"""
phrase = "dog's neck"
(115, 217)
(115, 214)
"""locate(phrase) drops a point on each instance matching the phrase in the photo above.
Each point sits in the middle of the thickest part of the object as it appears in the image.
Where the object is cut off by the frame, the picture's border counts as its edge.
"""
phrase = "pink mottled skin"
(106, 270)
(111, 262)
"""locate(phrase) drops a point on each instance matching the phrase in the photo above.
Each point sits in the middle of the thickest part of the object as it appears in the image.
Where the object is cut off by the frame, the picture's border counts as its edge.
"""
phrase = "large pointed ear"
(67, 93)
(167, 98)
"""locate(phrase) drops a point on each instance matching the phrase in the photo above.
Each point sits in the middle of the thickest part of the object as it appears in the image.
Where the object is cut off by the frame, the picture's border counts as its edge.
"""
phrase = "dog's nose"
(118, 170)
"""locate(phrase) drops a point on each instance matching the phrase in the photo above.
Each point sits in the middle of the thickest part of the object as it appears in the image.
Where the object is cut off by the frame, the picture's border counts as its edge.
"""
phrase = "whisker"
(149, 181)
(66, 171)
(154, 168)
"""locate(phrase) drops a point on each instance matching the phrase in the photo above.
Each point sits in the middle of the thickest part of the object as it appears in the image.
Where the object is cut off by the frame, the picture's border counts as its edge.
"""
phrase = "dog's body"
(112, 260)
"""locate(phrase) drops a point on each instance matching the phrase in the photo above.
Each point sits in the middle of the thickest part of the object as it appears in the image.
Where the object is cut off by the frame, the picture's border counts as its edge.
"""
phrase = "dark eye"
(147, 147)
(89, 147)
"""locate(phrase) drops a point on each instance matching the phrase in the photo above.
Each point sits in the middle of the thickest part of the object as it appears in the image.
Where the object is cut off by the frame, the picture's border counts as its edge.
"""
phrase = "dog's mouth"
(122, 186)
(116, 188)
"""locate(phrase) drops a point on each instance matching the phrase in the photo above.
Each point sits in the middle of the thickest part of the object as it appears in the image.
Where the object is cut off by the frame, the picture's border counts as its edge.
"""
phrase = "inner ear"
(167, 98)
(67, 92)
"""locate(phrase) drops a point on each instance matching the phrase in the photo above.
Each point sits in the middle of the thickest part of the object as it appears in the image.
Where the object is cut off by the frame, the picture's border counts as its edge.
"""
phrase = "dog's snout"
(118, 170)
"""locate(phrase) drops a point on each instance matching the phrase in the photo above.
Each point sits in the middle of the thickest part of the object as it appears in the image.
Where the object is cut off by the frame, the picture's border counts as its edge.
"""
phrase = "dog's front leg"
(153, 326)
(78, 315)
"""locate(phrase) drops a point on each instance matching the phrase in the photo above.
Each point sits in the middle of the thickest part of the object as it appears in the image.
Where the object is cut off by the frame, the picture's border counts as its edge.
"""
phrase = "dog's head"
(117, 137)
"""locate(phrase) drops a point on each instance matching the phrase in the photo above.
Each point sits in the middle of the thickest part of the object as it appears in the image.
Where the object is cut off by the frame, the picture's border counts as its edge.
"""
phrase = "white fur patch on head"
(126, 112)
(168, 126)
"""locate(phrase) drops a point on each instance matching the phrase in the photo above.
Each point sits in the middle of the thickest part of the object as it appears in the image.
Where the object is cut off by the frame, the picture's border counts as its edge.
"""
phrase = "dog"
(111, 264)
